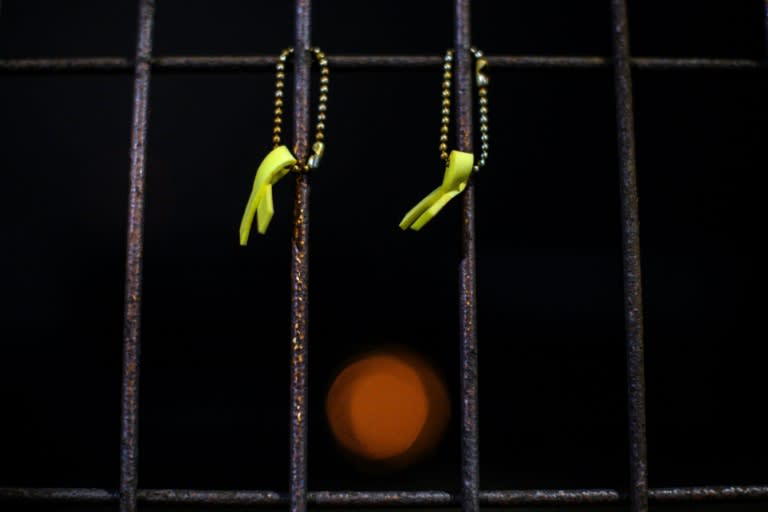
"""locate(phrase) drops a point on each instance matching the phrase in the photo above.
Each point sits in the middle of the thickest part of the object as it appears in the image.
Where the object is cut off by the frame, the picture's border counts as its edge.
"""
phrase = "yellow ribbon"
(457, 173)
(276, 165)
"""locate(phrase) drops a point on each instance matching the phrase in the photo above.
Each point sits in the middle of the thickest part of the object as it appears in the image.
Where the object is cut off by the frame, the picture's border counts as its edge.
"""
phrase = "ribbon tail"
(266, 210)
(247, 221)
(457, 172)
(415, 212)
(274, 166)
(434, 209)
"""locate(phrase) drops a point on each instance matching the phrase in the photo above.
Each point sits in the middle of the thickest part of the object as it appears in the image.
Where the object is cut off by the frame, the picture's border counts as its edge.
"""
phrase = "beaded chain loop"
(482, 92)
(322, 105)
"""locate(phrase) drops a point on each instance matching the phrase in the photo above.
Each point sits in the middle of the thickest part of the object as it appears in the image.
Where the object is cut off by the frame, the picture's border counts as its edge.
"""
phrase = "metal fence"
(469, 497)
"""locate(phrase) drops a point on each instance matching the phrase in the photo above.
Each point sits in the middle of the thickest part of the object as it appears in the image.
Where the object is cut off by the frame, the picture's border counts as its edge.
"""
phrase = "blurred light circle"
(388, 406)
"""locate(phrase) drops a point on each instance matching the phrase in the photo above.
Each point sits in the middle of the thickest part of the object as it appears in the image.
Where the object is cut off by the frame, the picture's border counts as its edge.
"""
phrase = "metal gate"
(470, 497)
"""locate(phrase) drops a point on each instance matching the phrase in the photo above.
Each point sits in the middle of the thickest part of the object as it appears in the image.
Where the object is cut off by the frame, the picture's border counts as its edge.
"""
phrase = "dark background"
(215, 326)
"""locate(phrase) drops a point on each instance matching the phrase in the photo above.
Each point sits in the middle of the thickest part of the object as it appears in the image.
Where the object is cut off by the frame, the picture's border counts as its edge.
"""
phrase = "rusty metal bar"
(695, 64)
(267, 62)
(300, 265)
(470, 472)
(699, 494)
(633, 306)
(129, 413)
(59, 495)
(66, 65)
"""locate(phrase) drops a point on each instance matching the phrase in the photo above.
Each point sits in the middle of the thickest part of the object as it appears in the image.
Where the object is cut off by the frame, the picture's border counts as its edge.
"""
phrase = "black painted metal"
(297, 498)
(131, 330)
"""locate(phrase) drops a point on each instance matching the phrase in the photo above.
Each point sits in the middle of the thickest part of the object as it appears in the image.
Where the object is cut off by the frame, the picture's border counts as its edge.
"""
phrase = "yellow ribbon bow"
(276, 165)
(457, 173)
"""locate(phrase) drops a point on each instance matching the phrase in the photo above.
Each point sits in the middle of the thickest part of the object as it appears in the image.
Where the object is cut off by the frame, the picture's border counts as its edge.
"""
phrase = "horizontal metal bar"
(709, 493)
(67, 64)
(388, 498)
(192, 497)
(543, 61)
(672, 63)
(262, 62)
(58, 495)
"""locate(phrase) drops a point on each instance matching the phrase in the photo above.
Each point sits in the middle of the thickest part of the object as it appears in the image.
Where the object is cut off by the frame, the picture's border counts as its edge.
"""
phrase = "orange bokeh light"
(388, 406)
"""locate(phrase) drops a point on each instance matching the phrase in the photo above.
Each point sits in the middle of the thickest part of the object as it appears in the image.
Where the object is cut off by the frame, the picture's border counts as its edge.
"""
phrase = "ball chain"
(322, 106)
(482, 92)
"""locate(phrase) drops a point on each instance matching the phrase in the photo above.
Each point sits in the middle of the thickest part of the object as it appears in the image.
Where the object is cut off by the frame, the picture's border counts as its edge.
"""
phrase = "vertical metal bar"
(300, 265)
(633, 307)
(765, 24)
(470, 474)
(131, 329)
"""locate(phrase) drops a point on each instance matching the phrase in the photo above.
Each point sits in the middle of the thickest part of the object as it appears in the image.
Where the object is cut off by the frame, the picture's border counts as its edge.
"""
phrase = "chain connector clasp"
(481, 76)
(318, 148)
